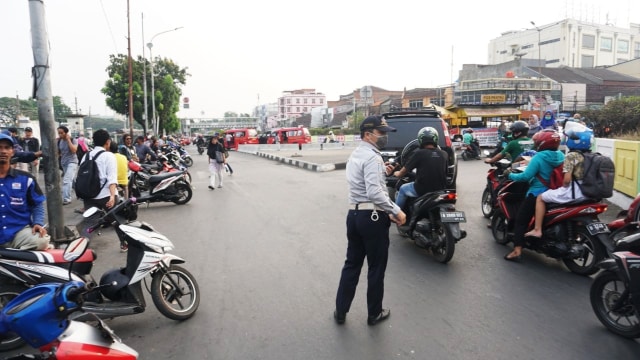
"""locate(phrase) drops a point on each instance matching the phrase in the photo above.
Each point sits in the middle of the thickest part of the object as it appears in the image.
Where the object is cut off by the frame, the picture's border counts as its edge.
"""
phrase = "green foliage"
(10, 108)
(618, 118)
(168, 77)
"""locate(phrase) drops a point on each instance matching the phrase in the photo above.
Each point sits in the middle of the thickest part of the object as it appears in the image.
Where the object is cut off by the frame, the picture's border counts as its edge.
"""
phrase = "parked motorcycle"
(177, 155)
(174, 291)
(615, 292)
(171, 186)
(41, 316)
(201, 149)
(495, 180)
(571, 232)
(433, 222)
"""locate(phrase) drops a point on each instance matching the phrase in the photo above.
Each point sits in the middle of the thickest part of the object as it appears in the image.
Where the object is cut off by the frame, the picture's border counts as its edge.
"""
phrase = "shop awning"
(491, 112)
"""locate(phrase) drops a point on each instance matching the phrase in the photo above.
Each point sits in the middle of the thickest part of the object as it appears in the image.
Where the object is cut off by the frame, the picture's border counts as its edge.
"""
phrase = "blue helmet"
(579, 140)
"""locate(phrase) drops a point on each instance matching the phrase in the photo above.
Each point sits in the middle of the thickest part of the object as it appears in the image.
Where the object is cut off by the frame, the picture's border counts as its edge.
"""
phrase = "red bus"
(238, 137)
(291, 135)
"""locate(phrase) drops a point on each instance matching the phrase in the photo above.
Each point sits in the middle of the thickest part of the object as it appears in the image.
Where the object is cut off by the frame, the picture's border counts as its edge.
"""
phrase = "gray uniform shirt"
(366, 178)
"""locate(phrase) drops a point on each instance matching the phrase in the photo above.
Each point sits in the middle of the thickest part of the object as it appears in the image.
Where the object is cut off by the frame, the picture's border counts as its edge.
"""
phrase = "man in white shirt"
(108, 172)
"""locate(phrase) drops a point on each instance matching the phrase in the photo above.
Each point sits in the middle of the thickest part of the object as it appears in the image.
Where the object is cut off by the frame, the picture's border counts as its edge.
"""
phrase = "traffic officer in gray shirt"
(371, 212)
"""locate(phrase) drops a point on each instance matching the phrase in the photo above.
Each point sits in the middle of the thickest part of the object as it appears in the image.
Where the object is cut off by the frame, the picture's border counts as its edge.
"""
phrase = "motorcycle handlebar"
(113, 211)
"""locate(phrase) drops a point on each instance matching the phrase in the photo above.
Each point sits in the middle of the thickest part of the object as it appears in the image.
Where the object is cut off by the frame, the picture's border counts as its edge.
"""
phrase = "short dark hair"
(140, 138)
(113, 147)
(125, 136)
(100, 137)
(64, 128)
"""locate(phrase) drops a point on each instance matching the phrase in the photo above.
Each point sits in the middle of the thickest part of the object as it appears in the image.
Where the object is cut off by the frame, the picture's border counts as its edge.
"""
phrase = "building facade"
(568, 42)
(293, 104)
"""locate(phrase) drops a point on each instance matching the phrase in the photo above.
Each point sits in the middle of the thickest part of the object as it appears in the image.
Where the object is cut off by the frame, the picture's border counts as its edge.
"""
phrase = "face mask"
(381, 140)
(547, 117)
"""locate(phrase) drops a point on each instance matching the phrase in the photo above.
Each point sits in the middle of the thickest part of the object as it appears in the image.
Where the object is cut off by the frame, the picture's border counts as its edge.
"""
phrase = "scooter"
(615, 292)
(172, 186)
(470, 151)
(571, 232)
(626, 221)
(174, 291)
(495, 180)
(433, 222)
(41, 316)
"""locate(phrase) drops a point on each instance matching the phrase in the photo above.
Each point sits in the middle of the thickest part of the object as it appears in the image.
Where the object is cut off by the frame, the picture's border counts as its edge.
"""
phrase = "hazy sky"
(244, 52)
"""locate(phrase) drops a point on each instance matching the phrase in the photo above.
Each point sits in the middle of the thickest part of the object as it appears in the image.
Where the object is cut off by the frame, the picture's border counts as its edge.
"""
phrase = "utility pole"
(539, 68)
(144, 82)
(130, 73)
(42, 94)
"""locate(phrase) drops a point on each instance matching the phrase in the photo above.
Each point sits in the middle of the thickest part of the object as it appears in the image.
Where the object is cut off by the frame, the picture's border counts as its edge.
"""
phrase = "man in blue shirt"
(21, 205)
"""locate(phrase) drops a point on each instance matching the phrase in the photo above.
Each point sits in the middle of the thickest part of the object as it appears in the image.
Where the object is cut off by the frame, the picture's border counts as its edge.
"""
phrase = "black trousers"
(526, 211)
(370, 239)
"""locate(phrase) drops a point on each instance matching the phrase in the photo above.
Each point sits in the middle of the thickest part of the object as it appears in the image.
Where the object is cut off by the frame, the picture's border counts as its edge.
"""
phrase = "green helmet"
(428, 135)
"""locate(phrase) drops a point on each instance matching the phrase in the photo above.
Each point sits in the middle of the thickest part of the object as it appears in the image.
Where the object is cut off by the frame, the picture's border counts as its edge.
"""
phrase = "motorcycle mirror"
(75, 249)
(89, 212)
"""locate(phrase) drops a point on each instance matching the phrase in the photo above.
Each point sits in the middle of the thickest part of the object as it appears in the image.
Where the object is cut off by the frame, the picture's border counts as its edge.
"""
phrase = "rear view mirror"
(75, 249)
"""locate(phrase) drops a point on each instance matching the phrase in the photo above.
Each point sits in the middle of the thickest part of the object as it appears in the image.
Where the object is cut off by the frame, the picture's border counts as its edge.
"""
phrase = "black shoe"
(339, 317)
(211, 187)
(384, 314)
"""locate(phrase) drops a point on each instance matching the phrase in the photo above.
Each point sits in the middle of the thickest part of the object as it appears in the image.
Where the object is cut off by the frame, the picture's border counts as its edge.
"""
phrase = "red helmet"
(546, 139)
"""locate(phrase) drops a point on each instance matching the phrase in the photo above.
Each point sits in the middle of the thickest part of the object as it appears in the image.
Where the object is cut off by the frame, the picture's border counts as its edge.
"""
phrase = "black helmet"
(519, 127)
(427, 135)
(110, 291)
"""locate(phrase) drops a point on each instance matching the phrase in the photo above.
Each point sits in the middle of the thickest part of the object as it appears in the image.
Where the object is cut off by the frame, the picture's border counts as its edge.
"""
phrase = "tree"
(168, 77)
(618, 117)
(11, 108)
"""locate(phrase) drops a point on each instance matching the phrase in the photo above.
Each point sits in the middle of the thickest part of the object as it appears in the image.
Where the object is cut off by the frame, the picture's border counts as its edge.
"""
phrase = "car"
(402, 142)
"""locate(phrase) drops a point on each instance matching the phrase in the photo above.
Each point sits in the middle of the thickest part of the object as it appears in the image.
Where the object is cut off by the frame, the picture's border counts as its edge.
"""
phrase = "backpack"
(599, 172)
(80, 152)
(88, 180)
(556, 180)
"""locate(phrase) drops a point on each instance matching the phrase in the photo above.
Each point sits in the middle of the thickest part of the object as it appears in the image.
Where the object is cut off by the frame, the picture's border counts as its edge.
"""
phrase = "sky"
(242, 53)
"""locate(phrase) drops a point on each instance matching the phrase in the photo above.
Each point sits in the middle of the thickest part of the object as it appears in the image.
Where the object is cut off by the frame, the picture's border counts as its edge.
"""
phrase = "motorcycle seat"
(159, 177)
(570, 203)
(629, 243)
(51, 256)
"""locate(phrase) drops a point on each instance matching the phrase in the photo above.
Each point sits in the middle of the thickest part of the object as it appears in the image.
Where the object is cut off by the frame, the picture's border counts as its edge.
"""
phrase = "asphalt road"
(267, 250)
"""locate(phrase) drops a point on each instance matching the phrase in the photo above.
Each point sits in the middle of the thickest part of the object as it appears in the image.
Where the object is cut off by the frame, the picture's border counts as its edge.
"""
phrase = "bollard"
(299, 146)
(321, 146)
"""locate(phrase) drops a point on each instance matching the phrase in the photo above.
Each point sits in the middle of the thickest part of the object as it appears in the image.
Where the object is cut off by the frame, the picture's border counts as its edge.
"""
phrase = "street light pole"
(156, 126)
(539, 67)
(144, 83)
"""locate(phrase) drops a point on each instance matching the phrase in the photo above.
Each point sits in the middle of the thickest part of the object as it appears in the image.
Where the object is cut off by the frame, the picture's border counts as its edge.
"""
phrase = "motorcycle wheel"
(606, 290)
(499, 228)
(10, 340)
(444, 253)
(185, 193)
(188, 162)
(594, 253)
(465, 157)
(170, 289)
(487, 203)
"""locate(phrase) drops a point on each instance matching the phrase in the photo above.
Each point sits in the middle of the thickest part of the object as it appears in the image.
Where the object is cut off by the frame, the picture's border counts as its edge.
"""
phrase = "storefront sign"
(493, 99)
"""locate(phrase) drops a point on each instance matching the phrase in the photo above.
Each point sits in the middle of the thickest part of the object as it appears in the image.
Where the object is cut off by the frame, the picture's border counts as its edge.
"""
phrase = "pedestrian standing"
(67, 147)
(18, 148)
(31, 144)
(217, 160)
(371, 212)
(276, 140)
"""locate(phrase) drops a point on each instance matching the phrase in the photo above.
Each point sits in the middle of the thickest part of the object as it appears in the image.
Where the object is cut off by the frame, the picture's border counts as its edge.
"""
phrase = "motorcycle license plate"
(452, 216)
(597, 228)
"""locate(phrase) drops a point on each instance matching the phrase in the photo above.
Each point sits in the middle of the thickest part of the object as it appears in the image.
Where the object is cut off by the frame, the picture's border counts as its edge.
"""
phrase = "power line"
(106, 18)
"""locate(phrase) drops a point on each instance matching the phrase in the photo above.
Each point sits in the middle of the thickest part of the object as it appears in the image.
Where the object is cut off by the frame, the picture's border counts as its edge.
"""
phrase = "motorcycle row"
(572, 233)
(51, 301)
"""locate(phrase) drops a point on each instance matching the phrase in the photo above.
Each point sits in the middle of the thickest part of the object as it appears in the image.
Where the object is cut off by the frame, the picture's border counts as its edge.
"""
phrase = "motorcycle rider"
(517, 145)
(573, 170)
(469, 140)
(548, 156)
(431, 165)
(144, 152)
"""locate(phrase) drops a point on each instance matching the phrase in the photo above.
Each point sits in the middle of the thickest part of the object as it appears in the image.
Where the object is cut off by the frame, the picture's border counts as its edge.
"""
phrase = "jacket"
(541, 163)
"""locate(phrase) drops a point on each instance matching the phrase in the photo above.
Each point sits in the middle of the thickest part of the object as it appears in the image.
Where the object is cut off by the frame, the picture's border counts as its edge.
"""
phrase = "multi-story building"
(293, 104)
(568, 42)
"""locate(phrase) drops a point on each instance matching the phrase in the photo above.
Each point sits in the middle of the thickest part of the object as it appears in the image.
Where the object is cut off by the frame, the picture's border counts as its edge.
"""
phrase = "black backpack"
(88, 180)
(599, 172)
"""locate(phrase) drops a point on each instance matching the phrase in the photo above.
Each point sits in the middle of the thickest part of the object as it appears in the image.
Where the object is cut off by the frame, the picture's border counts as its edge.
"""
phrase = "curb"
(303, 164)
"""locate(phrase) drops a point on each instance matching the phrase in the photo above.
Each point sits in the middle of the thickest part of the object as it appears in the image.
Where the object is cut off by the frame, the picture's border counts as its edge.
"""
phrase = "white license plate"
(452, 216)
(597, 228)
